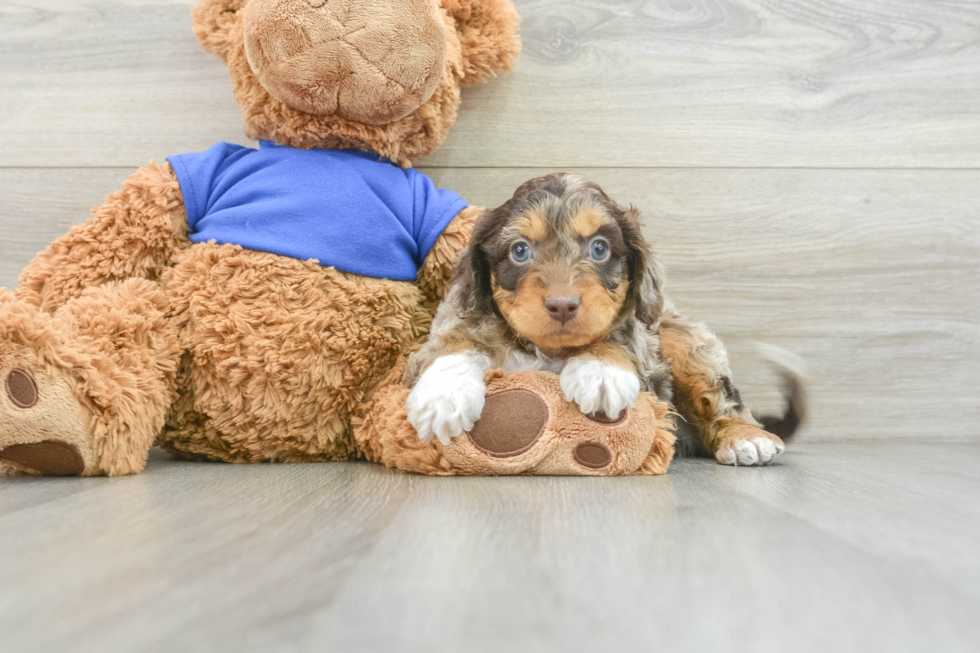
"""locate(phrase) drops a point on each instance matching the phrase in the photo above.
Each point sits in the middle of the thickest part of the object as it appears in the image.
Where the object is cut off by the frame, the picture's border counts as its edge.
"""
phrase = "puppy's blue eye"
(599, 249)
(520, 252)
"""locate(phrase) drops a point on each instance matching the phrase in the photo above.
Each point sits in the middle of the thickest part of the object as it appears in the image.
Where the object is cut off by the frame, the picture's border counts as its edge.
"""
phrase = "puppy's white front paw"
(596, 386)
(448, 398)
(755, 450)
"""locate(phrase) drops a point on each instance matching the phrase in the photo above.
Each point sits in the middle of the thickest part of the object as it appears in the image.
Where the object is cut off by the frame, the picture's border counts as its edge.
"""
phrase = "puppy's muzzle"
(562, 308)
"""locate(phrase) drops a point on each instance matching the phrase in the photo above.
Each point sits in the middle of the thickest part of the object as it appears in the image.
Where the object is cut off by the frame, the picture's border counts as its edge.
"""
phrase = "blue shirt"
(344, 208)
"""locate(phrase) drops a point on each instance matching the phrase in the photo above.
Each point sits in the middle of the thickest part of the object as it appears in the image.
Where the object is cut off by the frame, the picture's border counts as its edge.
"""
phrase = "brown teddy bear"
(249, 305)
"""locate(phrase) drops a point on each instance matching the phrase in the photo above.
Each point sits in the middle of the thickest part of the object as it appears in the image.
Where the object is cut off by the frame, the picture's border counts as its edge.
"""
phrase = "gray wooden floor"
(840, 547)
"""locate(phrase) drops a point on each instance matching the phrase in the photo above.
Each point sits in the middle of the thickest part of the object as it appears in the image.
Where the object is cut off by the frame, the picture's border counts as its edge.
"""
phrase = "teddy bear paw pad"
(602, 418)
(40, 426)
(21, 388)
(512, 421)
(50, 458)
(593, 455)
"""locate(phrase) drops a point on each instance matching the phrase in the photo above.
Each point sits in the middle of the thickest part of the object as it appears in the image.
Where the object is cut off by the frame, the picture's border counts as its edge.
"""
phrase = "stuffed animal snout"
(371, 61)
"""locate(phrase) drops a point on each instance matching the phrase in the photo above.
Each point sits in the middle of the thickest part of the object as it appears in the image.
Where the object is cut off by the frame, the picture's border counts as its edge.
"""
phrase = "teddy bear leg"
(638, 440)
(526, 427)
(707, 396)
(281, 352)
(136, 233)
(85, 390)
(384, 435)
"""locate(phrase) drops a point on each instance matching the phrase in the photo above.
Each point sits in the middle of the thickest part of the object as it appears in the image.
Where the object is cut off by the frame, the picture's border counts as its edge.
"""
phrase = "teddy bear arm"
(436, 272)
(136, 233)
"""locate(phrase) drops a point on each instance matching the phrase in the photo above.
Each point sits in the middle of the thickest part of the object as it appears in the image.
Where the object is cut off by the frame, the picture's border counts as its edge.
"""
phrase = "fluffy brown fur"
(537, 252)
(137, 233)
(437, 270)
(283, 352)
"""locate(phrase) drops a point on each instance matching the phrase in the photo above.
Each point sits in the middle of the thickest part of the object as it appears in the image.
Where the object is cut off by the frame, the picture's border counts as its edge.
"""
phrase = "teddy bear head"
(376, 75)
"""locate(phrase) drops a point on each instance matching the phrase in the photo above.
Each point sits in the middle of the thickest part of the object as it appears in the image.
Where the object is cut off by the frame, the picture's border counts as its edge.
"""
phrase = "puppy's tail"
(791, 370)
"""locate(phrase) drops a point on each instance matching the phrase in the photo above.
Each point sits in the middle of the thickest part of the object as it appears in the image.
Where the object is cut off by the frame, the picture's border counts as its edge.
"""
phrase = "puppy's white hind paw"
(448, 397)
(754, 450)
(596, 386)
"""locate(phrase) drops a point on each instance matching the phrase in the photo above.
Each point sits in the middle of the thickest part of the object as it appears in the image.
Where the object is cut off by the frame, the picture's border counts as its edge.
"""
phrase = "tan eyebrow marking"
(532, 225)
(586, 222)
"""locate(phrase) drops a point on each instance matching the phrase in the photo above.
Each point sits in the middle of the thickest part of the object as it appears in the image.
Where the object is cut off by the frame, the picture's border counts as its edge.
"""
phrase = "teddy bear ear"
(214, 23)
(487, 32)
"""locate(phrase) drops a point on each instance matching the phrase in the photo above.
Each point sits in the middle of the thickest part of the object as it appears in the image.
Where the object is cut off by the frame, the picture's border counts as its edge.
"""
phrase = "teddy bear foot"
(514, 420)
(42, 428)
(527, 427)
(85, 390)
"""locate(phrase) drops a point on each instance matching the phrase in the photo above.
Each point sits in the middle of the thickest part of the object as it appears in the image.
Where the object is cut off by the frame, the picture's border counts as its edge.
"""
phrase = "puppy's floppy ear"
(646, 272)
(472, 287)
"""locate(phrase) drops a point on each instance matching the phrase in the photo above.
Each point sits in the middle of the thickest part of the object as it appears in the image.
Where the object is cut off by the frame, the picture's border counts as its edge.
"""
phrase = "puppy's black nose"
(562, 307)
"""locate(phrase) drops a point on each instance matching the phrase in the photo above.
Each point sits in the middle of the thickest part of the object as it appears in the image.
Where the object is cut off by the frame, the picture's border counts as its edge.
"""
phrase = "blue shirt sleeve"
(434, 209)
(198, 174)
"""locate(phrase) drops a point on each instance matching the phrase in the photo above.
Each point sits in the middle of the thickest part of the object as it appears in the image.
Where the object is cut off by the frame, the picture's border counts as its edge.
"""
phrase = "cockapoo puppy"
(561, 279)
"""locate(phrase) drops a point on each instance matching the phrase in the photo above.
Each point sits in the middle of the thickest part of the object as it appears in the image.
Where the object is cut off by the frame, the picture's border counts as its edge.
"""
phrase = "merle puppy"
(561, 279)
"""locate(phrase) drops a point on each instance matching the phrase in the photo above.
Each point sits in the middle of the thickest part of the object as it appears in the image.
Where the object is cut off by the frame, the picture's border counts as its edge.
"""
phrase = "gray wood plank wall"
(808, 169)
